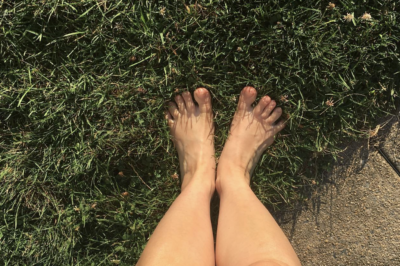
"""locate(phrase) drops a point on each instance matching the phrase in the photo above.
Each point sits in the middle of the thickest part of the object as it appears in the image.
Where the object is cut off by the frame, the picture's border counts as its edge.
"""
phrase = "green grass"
(76, 132)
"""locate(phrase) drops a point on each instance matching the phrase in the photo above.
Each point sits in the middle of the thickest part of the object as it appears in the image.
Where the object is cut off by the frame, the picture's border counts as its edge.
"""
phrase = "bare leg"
(247, 233)
(184, 235)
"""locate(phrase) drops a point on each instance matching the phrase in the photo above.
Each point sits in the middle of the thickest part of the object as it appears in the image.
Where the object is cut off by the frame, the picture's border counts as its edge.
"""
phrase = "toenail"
(202, 90)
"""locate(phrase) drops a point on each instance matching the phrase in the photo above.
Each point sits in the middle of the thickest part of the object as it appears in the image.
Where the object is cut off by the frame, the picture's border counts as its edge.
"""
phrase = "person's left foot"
(252, 131)
(192, 129)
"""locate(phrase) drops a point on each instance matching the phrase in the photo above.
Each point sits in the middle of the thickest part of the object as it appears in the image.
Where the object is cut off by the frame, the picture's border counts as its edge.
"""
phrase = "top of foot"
(252, 131)
(192, 129)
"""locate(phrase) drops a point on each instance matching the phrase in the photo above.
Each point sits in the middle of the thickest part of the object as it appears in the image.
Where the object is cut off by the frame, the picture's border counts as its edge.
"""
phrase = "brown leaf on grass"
(162, 11)
(374, 132)
(175, 176)
(366, 16)
(330, 102)
(284, 99)
(349, 17)
(331, 6)
(141, 90)
(187, 9)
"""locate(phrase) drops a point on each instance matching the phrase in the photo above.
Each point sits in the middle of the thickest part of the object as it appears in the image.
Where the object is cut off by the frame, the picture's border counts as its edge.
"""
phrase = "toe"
(247, 97)
(181, 104)
(275, 115)
(169, 118)
(261, 105)
(278, 127)
(173, 110)
(202, 97)
(187, 97)
(268, 109)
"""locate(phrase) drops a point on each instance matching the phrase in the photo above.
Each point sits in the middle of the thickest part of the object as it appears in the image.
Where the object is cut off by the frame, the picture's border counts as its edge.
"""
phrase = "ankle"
(236, 161)
(230, 168)
(230, 186)
(204, 167)
(231, 178)
(201, 181)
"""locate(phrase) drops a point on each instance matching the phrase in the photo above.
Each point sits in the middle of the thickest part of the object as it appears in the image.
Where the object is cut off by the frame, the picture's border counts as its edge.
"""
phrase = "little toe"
(187, 97)
(173, 110)
(169, 118)
(181, 104)
(202, 97)
(247, 97)
(261, 105)
(275, 115)
(268, 109)
(278, 127)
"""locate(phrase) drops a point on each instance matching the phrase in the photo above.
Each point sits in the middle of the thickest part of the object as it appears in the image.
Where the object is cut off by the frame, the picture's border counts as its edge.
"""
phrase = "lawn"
(87, 165)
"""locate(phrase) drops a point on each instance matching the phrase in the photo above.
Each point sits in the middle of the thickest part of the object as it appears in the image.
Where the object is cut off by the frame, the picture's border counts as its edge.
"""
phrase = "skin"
(184, 235)
(247, 233)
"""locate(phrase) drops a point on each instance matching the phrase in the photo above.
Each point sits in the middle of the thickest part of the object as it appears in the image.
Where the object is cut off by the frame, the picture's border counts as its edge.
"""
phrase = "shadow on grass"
(351, 161)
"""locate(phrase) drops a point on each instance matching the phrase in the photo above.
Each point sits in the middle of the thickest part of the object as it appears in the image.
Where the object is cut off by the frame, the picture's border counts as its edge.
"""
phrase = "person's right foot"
(192, 129)
(252, 131)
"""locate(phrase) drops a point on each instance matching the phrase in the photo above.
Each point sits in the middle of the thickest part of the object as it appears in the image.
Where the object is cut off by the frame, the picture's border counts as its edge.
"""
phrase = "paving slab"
(354, 218)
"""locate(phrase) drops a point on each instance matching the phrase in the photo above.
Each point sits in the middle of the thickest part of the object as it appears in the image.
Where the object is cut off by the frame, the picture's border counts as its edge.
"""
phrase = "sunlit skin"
(247, 234)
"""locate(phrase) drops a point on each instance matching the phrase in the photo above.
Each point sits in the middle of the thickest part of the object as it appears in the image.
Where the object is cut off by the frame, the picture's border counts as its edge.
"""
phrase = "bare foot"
(192, 129)
(252, 131)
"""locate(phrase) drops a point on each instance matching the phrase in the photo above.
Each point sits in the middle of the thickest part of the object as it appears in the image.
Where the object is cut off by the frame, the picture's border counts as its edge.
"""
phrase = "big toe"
(203, 98)
(247, 97)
